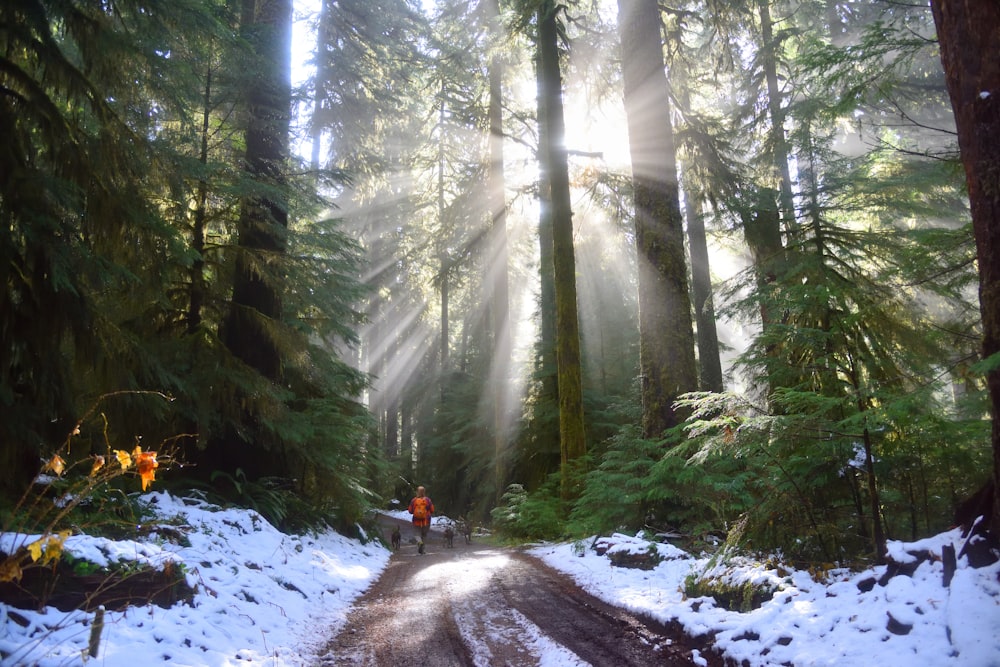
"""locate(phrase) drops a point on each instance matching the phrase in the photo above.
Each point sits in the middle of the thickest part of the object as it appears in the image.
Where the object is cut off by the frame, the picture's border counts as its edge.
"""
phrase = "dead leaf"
(10, 570)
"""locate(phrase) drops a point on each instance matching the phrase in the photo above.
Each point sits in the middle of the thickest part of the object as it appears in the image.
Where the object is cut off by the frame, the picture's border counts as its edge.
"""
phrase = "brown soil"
(59, 586)
(475, 604)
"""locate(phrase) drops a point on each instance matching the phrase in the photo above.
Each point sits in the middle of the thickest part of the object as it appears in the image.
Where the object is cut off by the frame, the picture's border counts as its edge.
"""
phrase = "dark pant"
(423, 536)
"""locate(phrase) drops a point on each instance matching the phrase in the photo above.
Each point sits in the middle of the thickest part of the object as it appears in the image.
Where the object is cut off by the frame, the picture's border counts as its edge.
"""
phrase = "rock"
(896, 626)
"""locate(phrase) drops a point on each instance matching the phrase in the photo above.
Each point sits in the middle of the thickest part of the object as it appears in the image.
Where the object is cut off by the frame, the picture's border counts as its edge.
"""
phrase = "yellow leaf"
(98, 464)
(54, 547)
(35, 549)
(123, 458)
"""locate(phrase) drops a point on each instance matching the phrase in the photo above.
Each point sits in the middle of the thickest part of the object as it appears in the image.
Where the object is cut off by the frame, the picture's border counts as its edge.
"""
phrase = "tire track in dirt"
(486, 607)
(595, 631)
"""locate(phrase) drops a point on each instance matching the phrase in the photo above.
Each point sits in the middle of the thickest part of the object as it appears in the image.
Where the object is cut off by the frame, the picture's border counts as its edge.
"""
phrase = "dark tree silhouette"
(969, 34)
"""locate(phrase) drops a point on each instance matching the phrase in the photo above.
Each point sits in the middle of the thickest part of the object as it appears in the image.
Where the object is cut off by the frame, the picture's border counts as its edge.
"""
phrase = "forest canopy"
(706, 268)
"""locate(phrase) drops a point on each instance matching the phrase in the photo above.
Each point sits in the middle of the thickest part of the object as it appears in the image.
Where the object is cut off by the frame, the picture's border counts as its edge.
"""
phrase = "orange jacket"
(429, 506)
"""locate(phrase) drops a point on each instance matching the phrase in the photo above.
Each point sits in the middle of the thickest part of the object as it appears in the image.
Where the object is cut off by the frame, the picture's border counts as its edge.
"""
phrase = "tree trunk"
(762, 233)
(569, 368)
(779, 144)
(969, 34)
(497, 265)
(406, 442)
(390, 439)
(709, 363)
(198, 289)
(666, 335)
(320, 111)
(264, 215)
(445, 323)
(543, 452)
(443, 257)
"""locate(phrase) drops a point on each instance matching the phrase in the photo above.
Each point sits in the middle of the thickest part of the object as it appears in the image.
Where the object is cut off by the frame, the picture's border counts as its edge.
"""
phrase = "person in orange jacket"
(422, 509)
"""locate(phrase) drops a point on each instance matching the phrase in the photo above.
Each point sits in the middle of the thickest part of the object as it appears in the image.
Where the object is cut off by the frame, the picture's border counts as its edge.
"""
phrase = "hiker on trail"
(421, 508)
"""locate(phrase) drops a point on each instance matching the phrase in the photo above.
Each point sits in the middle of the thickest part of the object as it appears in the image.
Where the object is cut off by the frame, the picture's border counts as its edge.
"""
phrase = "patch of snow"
(832, 622)
(264, 597)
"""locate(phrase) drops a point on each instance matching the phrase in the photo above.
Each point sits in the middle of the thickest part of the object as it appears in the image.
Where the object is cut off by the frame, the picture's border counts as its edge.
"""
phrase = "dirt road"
(491, 607)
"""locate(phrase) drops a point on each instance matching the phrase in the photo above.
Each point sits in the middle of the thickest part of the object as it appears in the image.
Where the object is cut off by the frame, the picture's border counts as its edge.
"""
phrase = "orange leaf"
(147, 464)
(56, 465)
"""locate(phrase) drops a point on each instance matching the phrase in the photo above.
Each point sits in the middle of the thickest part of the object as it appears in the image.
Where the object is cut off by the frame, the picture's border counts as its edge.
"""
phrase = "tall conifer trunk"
(666, 335)
(198, 287)
(444, 267)
(779, 143)
(969, 34)
(497, 264)
(544, 456)
(572, 440)
(709, 362)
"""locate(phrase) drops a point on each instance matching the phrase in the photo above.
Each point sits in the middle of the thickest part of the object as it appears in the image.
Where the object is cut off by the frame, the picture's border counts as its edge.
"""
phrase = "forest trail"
(490, 606)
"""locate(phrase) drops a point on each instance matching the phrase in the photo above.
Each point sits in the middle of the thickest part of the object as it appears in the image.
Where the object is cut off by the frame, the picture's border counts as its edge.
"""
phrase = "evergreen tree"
(141, 202)
(85, 91)
(496, 277)
(263, 221)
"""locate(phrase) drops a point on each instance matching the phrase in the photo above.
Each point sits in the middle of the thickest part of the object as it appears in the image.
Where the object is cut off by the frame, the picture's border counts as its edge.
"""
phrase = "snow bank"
(262, 596)
(912, 620)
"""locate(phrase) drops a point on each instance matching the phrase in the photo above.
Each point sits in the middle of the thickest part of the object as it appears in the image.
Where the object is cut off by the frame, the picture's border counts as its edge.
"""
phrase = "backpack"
(420, 508)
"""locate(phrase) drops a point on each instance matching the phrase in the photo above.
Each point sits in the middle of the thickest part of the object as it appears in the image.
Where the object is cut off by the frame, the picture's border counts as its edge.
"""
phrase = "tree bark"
(496, 272)
(320, 113)
(666, 335)
(198, 288)
(709, 362)
(442, 253)
(568, 363)
(544, 455)
(779, 143)
(969, 35)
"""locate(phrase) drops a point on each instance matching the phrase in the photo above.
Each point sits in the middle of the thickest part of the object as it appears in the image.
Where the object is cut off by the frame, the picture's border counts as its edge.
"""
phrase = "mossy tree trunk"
(572, 438)
(496, 273)
(666, 334)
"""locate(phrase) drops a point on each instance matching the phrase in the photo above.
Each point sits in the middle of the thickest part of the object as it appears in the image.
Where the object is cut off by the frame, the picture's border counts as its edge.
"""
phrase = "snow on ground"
(262, 597)
(268, 598)
(807, 622)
